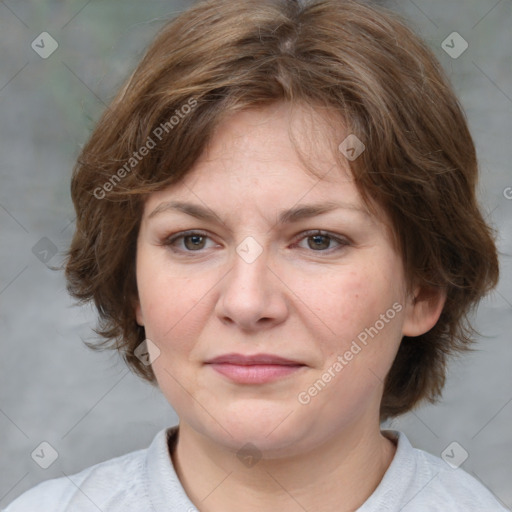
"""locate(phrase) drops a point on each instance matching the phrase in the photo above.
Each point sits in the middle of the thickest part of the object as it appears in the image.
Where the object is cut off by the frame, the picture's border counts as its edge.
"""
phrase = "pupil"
(196, 241)
(318, 241)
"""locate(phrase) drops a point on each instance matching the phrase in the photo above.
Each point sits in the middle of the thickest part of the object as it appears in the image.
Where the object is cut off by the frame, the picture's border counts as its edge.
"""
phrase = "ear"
(138, 312)
(423, 309)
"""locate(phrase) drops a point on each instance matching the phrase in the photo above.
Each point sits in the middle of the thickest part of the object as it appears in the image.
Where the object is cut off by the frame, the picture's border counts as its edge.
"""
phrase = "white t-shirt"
(145, 481)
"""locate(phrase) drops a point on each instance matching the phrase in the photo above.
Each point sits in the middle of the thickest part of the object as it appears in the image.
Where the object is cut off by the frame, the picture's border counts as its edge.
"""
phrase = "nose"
(252, 295)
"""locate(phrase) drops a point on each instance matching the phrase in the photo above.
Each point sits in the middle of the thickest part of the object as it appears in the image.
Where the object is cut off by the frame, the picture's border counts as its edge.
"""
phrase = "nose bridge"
(251, 292)
(250, 266)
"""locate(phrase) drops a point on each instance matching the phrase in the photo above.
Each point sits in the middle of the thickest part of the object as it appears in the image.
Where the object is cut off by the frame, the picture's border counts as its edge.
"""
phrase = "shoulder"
(424, 482)
(114, 485)
(454, 487)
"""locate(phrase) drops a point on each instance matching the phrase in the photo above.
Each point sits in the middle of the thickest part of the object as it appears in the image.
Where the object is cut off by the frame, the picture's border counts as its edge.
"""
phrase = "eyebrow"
(290, 216)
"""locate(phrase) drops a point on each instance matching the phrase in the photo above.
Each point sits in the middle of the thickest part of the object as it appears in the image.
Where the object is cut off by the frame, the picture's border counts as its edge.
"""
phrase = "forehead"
(278, 154)
(279, 133)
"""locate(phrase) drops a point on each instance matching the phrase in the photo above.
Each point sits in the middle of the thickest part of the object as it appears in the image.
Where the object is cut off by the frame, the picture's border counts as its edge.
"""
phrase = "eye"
(187, 241)
(196, 241)
(320, 241)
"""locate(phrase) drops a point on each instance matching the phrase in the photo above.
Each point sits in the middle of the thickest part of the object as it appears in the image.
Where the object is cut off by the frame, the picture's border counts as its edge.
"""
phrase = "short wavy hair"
(360, 63)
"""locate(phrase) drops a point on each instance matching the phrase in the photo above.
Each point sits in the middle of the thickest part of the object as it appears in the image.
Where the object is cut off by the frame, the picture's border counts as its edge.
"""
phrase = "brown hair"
(359, 62)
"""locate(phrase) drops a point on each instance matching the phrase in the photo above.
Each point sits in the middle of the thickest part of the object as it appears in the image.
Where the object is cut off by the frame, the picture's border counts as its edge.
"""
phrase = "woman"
(277, 221)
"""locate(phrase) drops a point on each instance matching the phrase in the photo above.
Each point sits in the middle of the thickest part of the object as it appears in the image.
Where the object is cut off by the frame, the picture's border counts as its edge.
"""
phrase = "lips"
(254, 369)
(263, 359)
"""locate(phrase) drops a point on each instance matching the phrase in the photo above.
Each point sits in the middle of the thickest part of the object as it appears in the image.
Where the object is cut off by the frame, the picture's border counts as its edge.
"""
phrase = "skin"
(303, 298)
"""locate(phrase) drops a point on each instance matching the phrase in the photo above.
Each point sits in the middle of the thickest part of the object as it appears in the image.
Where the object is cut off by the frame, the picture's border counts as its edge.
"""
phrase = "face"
(252, 255)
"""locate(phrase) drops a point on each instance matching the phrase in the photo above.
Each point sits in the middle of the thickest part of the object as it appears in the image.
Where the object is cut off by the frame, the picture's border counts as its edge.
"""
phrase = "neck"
(339, 474)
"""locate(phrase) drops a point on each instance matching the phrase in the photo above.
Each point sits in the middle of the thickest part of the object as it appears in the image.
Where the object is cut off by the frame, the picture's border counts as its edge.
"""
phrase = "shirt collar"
(162, 483)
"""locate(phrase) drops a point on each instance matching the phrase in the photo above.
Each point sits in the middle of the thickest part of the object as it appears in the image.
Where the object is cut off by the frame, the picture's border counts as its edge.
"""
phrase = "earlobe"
(423, 309)
(138, 313)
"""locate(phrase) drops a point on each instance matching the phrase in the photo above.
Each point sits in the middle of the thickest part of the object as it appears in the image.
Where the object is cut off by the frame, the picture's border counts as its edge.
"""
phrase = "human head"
(419, 164)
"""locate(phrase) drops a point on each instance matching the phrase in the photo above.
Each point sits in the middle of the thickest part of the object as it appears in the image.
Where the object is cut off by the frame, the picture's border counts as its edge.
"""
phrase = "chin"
(264, 429)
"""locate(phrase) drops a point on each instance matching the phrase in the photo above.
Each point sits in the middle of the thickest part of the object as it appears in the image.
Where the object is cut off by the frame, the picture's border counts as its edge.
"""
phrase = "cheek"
(349, 306)
(171, 304)
(343, 301)
(165, 311)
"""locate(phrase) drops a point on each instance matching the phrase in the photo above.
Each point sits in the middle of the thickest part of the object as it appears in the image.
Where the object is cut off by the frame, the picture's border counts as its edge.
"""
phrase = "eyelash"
(343, 242)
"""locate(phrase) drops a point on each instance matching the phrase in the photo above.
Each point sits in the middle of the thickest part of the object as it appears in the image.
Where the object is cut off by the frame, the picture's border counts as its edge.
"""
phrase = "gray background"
(87, 405)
